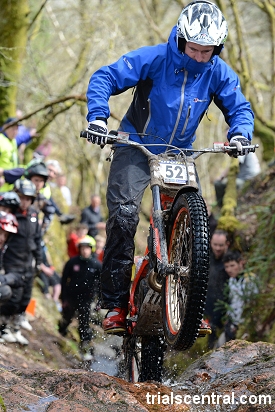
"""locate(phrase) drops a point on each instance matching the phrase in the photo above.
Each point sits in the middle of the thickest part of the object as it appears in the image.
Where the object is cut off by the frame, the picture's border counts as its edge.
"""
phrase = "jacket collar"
(182, 61)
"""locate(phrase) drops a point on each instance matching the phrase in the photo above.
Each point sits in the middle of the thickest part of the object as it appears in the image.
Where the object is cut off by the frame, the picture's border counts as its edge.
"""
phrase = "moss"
(229, 223)
(2, 404)
(267, 137)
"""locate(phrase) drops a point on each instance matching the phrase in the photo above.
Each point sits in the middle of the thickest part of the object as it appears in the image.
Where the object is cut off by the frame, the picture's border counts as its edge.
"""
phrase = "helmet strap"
(217, 49)
(181, 43)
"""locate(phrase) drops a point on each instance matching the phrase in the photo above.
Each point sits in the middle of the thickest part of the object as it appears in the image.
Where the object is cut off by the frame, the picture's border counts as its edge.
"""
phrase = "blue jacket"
(172, 93)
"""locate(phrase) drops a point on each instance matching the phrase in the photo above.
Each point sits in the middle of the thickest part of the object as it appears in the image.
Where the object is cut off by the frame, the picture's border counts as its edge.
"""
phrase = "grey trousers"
(128, 178)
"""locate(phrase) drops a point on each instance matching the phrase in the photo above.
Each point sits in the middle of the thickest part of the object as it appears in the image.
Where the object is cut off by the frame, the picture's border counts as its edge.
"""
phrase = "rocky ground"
(48, 374)
(239, 376)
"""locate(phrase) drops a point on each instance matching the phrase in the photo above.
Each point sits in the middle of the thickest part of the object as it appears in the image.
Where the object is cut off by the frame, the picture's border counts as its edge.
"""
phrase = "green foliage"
(260, 316)
(228, 220)
(267, 139)
(2, 405)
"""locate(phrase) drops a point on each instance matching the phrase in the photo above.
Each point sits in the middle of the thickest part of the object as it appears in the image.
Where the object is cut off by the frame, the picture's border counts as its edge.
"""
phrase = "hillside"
(49, 353)
(47, 349)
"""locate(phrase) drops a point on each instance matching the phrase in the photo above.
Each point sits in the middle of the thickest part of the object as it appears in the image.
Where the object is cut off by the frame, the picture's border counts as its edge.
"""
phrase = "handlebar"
(123, 138)
(112, 137)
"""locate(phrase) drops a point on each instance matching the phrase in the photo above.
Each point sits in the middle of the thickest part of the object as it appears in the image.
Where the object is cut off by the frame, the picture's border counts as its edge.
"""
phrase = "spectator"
(9, 202)
(100, 245)
(8, 225)
(9, 151)
(49, 278)
(24, 136)
(216, 284)
(12, 135)
(241, 288)
(91, 215)
(66, 193)
(18, 258)
(37, 171)
(39, 174)
(249, 167)
(9, 176)
(80, 232)
(54, 170)
(43, 150)
(80, 285)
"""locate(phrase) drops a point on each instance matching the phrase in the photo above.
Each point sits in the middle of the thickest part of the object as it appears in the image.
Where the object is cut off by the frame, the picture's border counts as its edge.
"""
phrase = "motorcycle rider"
(174, 83)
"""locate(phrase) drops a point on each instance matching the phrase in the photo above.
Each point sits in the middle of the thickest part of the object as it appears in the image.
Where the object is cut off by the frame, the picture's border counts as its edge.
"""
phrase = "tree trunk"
(14, 26)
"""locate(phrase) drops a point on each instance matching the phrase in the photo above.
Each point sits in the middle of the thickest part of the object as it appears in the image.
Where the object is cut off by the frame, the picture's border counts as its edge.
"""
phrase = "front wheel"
(184, 291)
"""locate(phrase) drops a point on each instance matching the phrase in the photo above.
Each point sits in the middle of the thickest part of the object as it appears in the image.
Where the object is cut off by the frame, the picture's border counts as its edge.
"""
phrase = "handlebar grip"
(114, 132)
(84, 134)
(106, 139)
(233, 149)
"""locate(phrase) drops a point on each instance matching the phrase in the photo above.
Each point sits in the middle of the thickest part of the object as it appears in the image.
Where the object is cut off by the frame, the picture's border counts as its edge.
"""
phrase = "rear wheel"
(144, 358)
(184, 292)
(132, 357)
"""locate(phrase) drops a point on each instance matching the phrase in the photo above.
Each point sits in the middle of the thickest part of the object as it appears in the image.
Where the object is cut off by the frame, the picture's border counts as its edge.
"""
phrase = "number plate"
(173, 172)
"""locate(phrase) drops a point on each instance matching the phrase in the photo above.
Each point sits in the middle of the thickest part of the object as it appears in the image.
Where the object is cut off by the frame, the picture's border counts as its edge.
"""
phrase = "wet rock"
(239, 367)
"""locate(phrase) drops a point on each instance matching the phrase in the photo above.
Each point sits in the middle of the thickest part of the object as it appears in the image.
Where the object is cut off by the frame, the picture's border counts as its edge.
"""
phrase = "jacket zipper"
(149, 116)
(181, 106)
(186, 120)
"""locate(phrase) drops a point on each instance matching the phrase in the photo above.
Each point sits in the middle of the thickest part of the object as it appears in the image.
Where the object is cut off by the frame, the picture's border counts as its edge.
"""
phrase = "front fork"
(159, 252)
(155, 259)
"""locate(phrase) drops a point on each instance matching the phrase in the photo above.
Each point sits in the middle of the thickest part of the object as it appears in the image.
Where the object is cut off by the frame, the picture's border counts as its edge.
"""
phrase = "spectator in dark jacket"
(91, 215)
(8, 225)
(217, 282)
(23, 249)
(79, 287)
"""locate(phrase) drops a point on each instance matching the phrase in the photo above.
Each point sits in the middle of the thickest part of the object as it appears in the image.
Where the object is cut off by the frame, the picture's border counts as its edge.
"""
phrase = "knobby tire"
(144, 358)
(143, 355)
(132, 357)
(184, 292)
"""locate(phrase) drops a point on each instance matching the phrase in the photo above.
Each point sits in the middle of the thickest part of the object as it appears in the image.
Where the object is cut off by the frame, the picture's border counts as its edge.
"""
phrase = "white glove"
(98, 126)
(239, 142)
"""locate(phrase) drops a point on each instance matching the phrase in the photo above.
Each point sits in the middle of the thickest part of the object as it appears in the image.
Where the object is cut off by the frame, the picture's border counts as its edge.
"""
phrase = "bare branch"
(37, 14)
(151, 21)
(61, 35)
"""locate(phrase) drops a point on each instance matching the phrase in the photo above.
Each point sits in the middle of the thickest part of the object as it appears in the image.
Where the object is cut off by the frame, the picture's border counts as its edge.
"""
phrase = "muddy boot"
(23, 322)
(7, 329)
(16, 323)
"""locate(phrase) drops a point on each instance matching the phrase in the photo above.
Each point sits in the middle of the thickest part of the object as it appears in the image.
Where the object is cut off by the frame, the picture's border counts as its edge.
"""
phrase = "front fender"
(183, 190)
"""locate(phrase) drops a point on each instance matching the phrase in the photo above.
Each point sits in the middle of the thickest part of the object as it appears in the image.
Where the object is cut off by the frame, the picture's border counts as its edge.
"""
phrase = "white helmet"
(202, 22)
